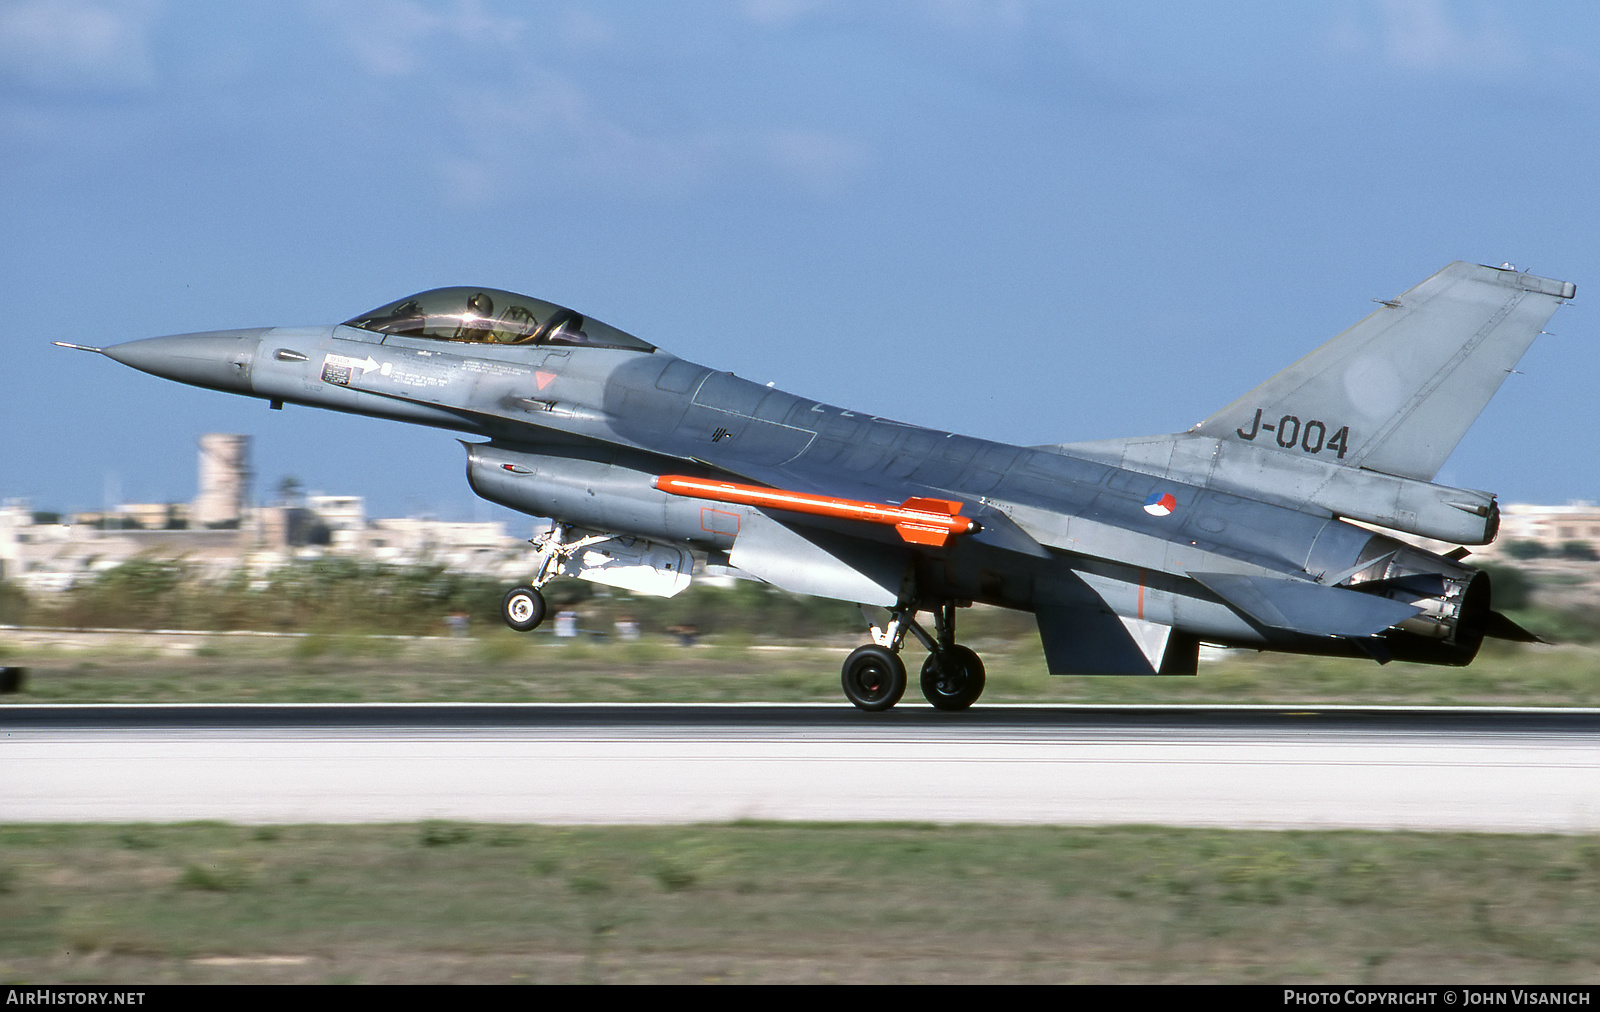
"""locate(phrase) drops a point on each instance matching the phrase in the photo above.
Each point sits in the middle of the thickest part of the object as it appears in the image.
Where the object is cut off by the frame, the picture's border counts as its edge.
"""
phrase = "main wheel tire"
(874, 678)
(523, 608)
(954, 679)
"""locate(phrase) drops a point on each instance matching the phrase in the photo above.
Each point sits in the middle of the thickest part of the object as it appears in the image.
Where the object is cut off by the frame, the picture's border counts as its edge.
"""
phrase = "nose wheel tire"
(953, 679)
(522, 608)
(874, 678)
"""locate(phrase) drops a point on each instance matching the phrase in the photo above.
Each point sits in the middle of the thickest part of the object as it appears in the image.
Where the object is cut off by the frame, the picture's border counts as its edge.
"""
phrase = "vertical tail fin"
(1397, 391)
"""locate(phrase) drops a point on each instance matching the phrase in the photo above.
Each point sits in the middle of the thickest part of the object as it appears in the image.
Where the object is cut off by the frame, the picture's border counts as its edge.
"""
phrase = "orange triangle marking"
(544, 378)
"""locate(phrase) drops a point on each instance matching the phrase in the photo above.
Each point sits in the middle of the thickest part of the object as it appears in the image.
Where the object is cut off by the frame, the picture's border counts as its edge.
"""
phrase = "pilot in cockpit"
(475, 322)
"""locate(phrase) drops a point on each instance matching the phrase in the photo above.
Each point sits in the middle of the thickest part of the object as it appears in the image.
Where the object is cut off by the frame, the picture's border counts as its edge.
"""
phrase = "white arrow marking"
(365, 366)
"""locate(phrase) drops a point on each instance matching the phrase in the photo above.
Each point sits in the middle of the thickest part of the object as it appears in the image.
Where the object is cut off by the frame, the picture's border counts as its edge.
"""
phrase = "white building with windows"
(1550, 526)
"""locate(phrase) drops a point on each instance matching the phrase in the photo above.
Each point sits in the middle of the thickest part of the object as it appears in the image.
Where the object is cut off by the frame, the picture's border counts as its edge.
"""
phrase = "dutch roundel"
(1160, 504)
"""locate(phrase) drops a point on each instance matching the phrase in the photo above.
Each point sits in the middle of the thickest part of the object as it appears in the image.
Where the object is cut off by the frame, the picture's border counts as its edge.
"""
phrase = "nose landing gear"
(953, 678)
(523, 608)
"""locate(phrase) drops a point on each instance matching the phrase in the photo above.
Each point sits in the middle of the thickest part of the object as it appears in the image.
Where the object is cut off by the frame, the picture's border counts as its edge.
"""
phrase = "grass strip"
(504, 667)
(458, 902)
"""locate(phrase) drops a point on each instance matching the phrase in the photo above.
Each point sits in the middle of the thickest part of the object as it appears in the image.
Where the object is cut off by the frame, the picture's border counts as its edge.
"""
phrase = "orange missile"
(918, 520)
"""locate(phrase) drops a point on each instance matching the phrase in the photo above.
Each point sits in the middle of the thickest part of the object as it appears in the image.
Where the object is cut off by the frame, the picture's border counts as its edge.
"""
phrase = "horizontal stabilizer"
(1300, 606)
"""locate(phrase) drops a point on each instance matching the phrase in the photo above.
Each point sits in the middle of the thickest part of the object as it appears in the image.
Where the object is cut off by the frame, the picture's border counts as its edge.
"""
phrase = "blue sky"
(1035, 222)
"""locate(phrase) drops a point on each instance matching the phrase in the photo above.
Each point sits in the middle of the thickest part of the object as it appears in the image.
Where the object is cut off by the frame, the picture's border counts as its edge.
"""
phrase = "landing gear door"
(820, 565)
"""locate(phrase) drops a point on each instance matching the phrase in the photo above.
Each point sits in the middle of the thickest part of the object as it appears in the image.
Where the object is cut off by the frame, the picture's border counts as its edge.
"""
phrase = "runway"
(1503, 770)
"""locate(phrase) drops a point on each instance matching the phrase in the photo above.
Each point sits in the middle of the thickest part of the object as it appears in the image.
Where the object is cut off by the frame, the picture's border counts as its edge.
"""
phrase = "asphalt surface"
(1521, 770)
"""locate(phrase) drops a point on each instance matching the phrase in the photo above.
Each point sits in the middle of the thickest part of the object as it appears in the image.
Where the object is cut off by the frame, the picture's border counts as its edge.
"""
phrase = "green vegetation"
(13, 604)
(337, 595)
(455, 902)
(1511, 587)
(331, 594)
(501, 666)
(1525, 550)
(366, 632)
(1575, 551)
(340, 595)
(1580, 551)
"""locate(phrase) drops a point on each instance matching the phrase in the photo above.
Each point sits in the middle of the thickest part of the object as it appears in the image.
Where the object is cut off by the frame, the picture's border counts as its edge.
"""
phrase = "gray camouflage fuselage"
(1130, 552)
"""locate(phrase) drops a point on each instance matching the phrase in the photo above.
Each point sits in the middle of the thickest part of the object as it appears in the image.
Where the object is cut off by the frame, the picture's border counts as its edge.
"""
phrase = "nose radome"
(218, 359)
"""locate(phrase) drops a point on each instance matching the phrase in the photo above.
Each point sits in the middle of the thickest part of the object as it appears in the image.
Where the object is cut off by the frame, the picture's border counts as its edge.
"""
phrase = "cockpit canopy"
(491, 316)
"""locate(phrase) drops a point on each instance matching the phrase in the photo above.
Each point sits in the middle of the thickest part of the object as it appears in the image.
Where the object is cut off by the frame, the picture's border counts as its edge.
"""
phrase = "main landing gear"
(874, 677)
(523, 607)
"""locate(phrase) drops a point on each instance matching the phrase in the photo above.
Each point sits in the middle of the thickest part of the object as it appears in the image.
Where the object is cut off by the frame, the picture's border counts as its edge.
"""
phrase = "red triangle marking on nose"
(544, 378)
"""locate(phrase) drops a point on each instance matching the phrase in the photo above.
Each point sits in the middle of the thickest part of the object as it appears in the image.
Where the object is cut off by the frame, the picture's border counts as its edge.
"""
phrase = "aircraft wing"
(838, 533)
(990, 526)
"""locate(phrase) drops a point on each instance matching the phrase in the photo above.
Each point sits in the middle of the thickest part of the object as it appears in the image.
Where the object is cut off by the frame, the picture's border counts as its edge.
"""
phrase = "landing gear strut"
(523, 608)
(874, 677)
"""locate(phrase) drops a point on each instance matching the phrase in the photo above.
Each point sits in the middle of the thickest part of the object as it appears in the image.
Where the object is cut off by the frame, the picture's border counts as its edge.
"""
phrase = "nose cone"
(217, 360)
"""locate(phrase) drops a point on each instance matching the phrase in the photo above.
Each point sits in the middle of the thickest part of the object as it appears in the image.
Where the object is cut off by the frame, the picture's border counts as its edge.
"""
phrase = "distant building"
(147, 516)
(48, 557)
(224, 480)
(1549, 526)
(221, 531)
(15, 516)
(44, 556)
(339, 513)
(468, 547)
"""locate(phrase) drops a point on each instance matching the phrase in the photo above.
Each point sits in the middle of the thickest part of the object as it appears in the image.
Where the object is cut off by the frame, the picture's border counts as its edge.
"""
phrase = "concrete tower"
(224, 480)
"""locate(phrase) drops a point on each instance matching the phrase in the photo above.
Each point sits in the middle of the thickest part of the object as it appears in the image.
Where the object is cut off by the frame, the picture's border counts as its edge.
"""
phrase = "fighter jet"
(1262, 527)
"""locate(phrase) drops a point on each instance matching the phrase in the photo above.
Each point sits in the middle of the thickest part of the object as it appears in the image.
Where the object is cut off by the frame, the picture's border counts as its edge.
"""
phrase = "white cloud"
(820, 161)
(550, 134)
(585, 29)
(997, 17)
(517, 112)
(547, 131)
(1422, 35)
(392, 38)
(78, 46)
(782, 13)
(1004, 17)
(1429, 36)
